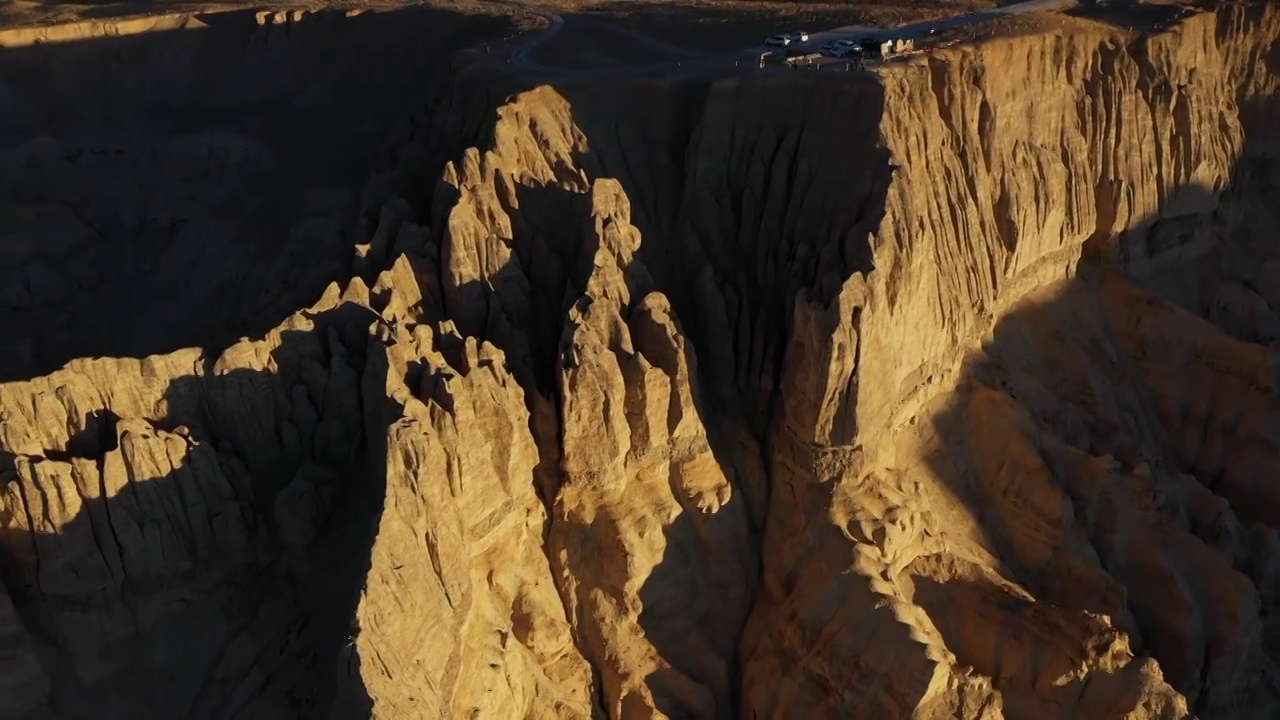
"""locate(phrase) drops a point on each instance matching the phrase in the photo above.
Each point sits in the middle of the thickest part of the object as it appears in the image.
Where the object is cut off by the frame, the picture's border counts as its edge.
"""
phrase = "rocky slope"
(944, 393)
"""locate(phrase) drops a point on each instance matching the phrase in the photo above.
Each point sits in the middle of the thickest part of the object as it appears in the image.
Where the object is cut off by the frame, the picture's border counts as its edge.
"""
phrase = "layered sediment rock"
(760, 397)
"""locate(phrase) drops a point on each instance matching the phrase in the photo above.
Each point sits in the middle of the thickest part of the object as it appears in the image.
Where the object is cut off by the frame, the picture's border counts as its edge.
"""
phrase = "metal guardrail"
(804, 59)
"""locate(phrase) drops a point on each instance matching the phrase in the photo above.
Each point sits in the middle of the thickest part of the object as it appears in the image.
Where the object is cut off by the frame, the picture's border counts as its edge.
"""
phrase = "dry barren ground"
(713, 25)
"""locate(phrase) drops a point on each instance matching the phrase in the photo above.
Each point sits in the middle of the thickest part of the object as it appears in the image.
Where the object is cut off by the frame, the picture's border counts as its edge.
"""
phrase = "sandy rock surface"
(947, 391)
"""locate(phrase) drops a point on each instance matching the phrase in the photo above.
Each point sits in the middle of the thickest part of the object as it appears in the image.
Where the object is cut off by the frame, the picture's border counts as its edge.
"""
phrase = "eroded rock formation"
(183, 181)
(922, 395)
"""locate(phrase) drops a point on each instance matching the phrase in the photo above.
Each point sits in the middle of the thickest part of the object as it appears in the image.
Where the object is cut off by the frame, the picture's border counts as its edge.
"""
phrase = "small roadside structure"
(899, 46)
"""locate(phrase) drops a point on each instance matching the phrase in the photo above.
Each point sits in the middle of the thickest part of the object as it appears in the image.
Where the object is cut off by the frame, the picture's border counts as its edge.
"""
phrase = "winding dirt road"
(523, 54)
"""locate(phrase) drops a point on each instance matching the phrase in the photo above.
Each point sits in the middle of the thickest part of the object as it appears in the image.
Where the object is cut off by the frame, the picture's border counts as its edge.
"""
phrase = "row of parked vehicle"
(866, 47)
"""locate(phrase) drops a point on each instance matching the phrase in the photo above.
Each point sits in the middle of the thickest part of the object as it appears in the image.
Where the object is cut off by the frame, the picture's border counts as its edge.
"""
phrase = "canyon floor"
(499, 360)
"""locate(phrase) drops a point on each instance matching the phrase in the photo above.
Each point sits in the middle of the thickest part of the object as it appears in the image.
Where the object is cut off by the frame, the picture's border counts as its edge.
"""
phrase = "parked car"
(785, 39)
(870, 46)
(839, 48)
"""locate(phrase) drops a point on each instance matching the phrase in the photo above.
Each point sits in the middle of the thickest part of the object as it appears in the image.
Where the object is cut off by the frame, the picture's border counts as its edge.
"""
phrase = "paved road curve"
(921, 29)
(522, 56)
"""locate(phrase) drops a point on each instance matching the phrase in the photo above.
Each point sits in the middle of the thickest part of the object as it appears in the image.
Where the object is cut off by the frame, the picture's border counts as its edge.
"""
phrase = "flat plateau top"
(20, 13)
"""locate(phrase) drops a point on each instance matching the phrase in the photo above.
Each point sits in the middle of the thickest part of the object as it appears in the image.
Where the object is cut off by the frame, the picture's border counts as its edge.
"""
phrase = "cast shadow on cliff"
(1051, 374)
(739, 234)
(226, 587)
(694, 620)
(188, 187)
(652, 149)
(1027, 651)
(522, 308)
(555, 259)
(741, 356)
(1047, 538)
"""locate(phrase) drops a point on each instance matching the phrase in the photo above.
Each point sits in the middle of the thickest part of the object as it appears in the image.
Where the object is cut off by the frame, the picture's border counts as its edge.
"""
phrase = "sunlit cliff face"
(943, 392)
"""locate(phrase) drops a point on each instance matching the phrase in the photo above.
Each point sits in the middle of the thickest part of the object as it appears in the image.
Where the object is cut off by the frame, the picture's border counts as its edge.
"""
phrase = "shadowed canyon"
(350, 373)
